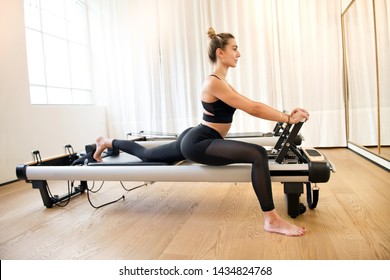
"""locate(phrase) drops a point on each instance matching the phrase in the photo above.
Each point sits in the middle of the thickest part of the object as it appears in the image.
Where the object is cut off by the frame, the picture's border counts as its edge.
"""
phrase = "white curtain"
(150, 59)
(382, 9)
(360, 50)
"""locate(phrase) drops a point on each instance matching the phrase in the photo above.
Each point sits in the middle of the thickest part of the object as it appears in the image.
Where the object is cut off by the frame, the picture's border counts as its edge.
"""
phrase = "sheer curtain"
(382, 9)
(125, 62)
(361, 74)
(150, 58)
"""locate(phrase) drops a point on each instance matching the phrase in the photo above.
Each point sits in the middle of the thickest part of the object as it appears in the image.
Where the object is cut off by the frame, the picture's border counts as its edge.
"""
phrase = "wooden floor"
(201, 220)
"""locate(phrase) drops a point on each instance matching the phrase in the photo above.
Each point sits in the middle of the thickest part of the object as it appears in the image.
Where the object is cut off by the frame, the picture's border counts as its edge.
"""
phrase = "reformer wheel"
(302, 208)
(293, 205)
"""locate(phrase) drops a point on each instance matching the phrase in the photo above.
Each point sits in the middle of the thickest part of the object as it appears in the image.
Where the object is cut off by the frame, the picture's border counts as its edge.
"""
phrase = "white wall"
(23, 127)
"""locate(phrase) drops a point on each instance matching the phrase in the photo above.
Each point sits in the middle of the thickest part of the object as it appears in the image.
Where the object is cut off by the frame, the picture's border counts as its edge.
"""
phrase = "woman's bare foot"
(274, 223)
(101, 145)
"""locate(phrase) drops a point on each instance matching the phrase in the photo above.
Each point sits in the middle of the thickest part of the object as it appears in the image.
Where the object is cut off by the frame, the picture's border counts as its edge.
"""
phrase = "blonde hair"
(217, 41)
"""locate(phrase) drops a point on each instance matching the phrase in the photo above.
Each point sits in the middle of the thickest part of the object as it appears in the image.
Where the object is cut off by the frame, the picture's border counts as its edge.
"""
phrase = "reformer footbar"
(293, 166)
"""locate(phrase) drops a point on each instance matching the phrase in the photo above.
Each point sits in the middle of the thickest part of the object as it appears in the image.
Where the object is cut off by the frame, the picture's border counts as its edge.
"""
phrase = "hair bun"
(211, 33)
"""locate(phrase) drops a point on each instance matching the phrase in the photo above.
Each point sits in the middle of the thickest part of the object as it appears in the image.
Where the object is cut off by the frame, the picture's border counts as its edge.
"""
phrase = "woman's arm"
(222, 90)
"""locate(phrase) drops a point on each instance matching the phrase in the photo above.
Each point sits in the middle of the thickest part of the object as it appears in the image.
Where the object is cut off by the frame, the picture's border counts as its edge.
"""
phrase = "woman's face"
(229, 56)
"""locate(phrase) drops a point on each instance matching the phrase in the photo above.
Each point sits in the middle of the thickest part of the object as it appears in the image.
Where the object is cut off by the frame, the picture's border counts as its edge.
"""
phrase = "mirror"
(382, 10)
(366, 55)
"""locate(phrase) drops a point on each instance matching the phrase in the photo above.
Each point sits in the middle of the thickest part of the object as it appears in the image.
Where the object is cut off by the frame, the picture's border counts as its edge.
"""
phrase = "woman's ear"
(219, 52)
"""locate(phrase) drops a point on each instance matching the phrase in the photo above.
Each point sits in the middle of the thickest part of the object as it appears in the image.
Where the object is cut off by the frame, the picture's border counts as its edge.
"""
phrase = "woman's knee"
(261, 153)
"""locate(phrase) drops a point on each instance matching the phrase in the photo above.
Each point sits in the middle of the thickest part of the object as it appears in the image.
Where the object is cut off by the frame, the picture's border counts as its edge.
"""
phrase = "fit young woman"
(205, 143)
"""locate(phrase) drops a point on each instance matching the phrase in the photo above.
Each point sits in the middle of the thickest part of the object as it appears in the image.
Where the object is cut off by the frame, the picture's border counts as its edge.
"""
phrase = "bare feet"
(274, 223)
(100, 147)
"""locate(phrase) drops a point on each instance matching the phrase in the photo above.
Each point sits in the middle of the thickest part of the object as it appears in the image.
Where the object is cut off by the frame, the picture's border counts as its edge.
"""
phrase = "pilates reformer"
(289, 164)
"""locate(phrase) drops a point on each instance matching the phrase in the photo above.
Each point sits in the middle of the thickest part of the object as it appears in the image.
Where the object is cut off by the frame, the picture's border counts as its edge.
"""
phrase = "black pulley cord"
(312, 196)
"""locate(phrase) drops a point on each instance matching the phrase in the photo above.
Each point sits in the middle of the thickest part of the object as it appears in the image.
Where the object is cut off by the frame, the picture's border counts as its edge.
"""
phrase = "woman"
(206, 144)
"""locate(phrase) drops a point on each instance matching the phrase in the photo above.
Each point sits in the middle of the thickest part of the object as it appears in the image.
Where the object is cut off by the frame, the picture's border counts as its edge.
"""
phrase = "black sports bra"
(222, 112)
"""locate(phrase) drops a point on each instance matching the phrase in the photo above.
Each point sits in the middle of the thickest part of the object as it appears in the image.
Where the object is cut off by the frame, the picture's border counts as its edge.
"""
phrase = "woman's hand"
(298, 114)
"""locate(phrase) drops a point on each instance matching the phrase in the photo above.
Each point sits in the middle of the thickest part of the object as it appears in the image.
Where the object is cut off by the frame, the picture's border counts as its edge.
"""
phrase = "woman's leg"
(165, 153)
(227, 152)
(222, 152)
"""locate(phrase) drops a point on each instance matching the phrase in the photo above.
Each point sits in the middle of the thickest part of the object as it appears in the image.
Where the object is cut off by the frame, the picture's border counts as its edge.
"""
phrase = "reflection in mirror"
(382, 11)
(366, 45)
(360, 50)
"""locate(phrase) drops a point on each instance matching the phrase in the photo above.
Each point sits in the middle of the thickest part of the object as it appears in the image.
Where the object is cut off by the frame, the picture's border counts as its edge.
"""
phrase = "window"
(58, 52)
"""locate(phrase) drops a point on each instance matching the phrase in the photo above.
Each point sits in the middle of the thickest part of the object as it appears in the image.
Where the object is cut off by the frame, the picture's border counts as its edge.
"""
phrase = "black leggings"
(205, 145)
(169, 153)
